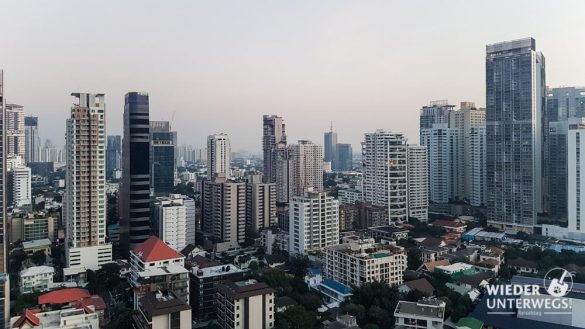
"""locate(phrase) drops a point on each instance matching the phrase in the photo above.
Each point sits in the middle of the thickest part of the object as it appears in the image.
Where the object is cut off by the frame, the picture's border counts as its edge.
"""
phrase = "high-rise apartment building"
(385, 181)
(344, 157)
(436, 112)
(175, 218)
(418, 182)
(15, 141)
(330, 148)
(4, 279)
(162, 157)
(113, 156)
(273, 142)
(285, 174)
(477, 158)
(442, 144)
(515, 100)
(218, 155)
(84, 209)
(20, 186)
(223, 209)
(32, 142)
(313, 222)
(260, 204)
(464, 119)
(134, 197)
(576, 182)
(307, 167)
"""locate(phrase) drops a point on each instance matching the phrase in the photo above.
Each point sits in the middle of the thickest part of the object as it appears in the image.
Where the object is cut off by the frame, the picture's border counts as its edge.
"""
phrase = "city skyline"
(328, 68)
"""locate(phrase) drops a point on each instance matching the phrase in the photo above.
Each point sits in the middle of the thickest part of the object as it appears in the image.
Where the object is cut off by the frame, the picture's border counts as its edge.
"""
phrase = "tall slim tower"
(330, 146)
(515, 92)
(385, 183)
(85, 197)
(15, 130)
(4, 283)
(307, 167)
(273, 140)
(218, 155)
(162, 157)
(135, 190)
(31, 139)
(418, 182)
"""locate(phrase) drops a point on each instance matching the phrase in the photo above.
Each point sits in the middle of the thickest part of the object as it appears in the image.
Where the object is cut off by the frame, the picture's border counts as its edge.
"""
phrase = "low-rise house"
(423, 286)
(431, 254)
(523, 266)
(467, 254)
(30, 247)
(489, 264)
(427, 313)
(334, 293)
(456, 270)
(283, 303)
(342, 322)
(429, 267)
(35, 279)
(387, 232)
(492, 252)
(467, 283)
(62, 298)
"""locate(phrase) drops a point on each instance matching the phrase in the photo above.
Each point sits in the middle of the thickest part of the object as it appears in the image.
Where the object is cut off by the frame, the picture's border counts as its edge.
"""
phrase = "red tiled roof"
(63, 296)
(155, 249)
(96, 301)
(421, 285)
(28, 318)
(430, 266)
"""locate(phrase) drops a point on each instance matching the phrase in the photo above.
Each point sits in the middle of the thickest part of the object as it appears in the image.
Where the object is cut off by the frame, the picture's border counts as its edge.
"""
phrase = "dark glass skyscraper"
(32, 142)
(135, 189)
(113, 155)
(515, 92)
(330, 148)
(344, 157)
(162, 157)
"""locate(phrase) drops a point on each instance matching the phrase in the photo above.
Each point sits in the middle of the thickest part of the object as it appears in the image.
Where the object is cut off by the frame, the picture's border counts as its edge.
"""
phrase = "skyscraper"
(285, 173)
(135, 190)
(15, 142)
(175, 218)
(223, 208)
(32, 142)
(384, 156)
(162, 157)
(418, 182)
(477, 193)
(515, 92)
(273, 141)
(344, 157)
(464, 119)
(4, 282)
(19, 179)
(576, 184)
(218, 155)
(436, 112)
(308, 167)
(260, 204)
(85, 197)
(330, 147)
(442, 144)
(113, 156)
(314, 222)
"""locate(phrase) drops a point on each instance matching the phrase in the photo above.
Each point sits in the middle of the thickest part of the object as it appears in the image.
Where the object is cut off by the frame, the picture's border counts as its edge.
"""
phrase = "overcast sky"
(218, 66)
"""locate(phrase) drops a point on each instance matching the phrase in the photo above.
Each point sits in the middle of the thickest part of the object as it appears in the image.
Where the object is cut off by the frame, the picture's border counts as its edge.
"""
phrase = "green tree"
(296, 317)
(39, 258)
(298, 265)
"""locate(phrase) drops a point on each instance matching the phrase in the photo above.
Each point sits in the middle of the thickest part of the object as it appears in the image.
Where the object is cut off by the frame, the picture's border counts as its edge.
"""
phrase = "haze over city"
(218, 66)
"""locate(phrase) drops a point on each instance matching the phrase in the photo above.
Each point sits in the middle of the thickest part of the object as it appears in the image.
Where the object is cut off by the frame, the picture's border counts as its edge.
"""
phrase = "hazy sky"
(219, 65)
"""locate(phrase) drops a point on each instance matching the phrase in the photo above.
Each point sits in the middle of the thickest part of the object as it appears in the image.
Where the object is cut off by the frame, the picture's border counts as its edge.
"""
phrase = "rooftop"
(457, 267)
(37, 270)
(337, 286)
(36, 243)
(244, 288)
(159, 303)
(430, 308)
(154, 249)
(216, 270)
(63, 296)
(163, 270)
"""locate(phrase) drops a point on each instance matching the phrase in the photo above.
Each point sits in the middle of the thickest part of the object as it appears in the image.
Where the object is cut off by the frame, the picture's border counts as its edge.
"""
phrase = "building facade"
(313, 222)
(385, 179)
(576, 182)
(20, 186)
(260, 204)
(113, 156)
(85, 197)
(175, 218)
(134, 196)
(224, 210)
(361, 262)
(477, 193)
(32, 142)
(344, 157)
(515, 99)
(15, 139)
(330, 148)
(162, 158)
(273, 142)
(308, 167)
(245, 304)
(418, 182)
(218, 155)
(4, 278)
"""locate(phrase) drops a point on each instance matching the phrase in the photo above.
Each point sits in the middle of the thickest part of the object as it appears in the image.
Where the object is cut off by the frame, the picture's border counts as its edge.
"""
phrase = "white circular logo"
(561, 282)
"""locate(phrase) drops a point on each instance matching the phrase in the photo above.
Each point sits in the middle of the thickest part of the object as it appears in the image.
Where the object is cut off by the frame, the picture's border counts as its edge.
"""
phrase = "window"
(176, 320)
